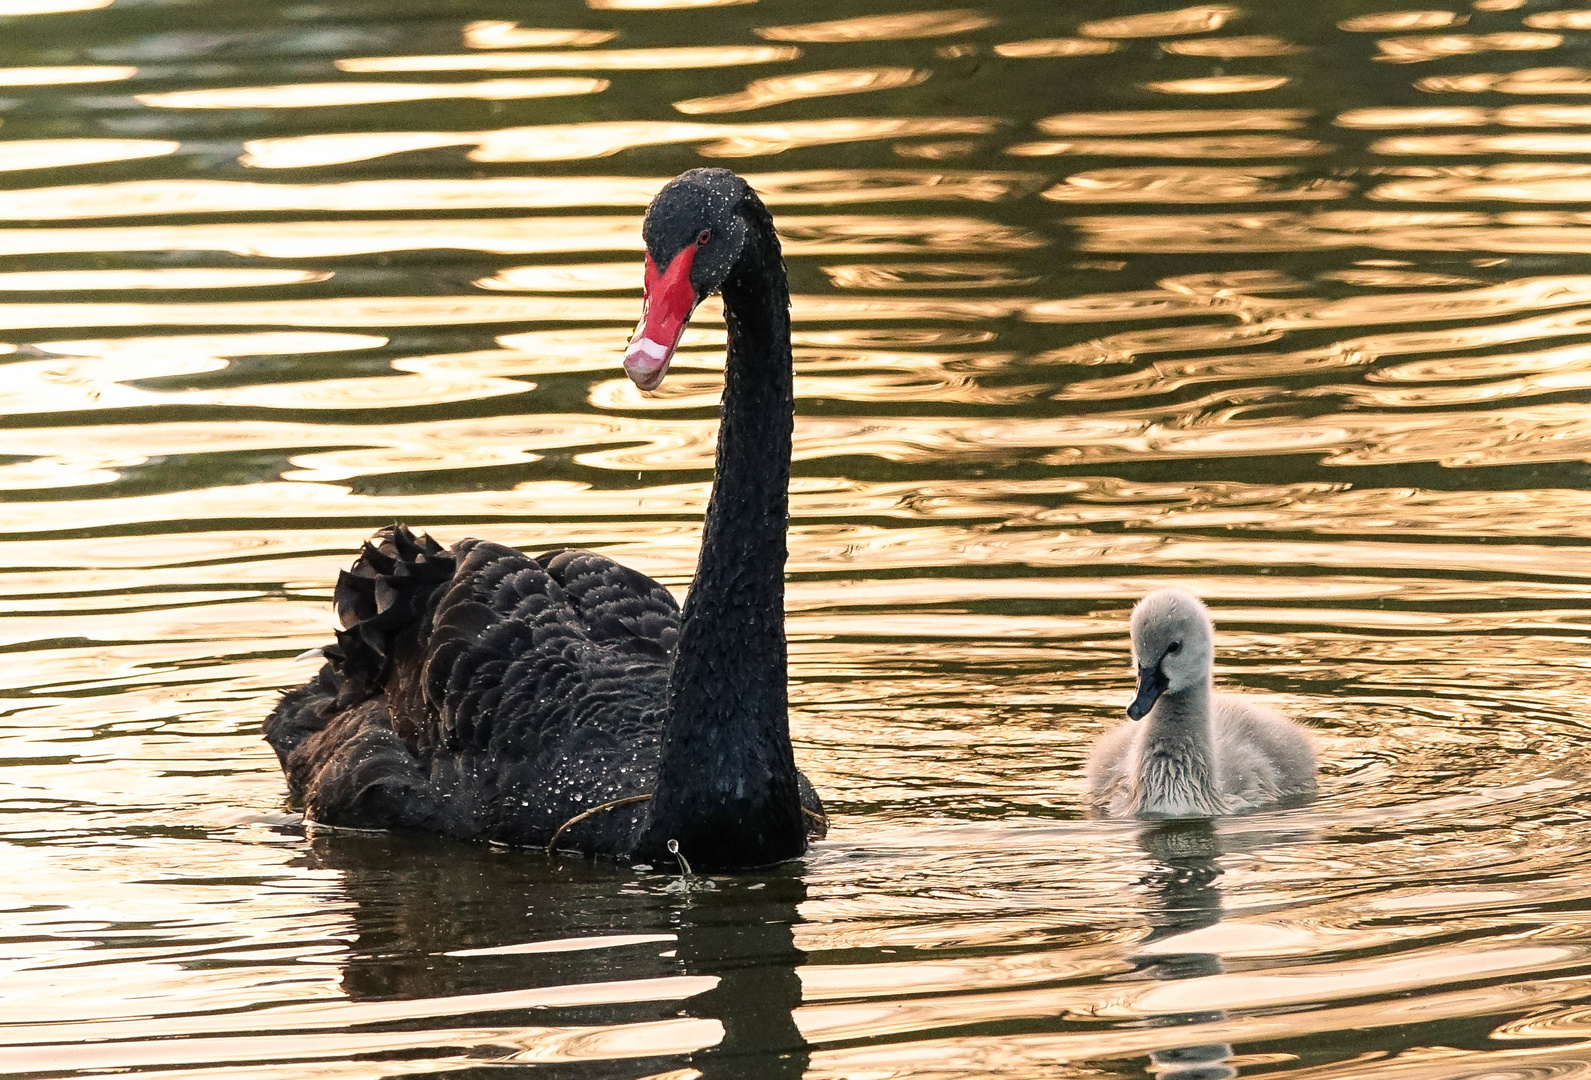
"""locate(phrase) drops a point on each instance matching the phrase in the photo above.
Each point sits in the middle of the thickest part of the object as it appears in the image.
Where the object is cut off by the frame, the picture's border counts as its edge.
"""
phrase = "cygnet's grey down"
(1197, 753)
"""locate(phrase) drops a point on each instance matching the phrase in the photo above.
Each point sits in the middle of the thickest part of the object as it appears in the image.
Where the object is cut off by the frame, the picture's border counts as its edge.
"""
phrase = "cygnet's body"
(1196, 753)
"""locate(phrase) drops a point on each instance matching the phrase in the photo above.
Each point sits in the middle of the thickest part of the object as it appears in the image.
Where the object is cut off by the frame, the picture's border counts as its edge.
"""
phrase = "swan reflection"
(569, 961)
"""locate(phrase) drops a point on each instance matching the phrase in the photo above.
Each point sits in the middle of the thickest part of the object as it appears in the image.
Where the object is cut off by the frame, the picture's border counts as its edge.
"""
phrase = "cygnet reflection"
(1185, 897)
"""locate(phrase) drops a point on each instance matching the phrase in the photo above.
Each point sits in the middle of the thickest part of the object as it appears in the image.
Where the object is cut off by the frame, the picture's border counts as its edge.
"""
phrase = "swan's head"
(694, 233)
(1173, 646)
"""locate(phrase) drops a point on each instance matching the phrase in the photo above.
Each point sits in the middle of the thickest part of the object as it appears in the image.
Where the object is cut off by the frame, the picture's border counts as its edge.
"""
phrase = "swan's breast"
(1174, 778)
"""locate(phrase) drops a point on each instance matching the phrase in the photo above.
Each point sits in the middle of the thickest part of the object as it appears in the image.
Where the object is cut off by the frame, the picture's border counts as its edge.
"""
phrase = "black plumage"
(477, 691)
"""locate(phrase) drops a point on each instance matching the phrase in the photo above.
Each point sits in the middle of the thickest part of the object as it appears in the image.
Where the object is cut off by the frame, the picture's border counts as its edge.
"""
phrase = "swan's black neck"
(726, 787)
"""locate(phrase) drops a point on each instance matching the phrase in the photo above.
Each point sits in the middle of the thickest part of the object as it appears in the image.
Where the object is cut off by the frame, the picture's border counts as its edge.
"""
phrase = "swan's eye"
(1174, 648)
(703, 236)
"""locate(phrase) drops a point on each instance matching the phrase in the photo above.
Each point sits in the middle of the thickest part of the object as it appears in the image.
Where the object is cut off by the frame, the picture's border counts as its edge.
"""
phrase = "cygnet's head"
(1172, 646)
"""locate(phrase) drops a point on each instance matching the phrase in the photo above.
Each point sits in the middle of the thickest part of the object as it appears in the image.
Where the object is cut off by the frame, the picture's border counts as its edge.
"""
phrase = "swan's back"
(1263, 757)
(477, 691)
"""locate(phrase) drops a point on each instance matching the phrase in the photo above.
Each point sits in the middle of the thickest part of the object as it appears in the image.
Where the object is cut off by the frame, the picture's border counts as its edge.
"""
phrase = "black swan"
(565, 700)
(1198, 754)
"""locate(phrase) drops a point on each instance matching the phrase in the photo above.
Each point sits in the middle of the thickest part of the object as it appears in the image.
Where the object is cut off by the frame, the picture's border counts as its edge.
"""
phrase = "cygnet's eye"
(703, 236)
(1174, 648)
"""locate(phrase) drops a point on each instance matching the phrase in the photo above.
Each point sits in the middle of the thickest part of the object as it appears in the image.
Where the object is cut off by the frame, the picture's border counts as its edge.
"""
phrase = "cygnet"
(1196, 753)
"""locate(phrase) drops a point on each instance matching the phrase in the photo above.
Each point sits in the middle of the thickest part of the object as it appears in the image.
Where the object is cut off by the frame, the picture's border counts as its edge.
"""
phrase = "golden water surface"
(1288, 304)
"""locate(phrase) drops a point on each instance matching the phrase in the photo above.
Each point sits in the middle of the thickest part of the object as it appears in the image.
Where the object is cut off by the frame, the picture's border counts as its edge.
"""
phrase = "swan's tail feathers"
(300, 714)
(360, 775)
(382, 602)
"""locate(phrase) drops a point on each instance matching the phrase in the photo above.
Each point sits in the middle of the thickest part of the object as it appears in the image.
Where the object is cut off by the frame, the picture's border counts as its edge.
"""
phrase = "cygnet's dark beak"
(1151, 684)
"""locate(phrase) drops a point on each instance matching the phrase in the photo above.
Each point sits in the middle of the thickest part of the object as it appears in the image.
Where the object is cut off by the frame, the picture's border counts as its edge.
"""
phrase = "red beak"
(666, 308)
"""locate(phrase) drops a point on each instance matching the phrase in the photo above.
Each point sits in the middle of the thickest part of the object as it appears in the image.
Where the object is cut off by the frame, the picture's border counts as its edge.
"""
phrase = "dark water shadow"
(440, 920)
